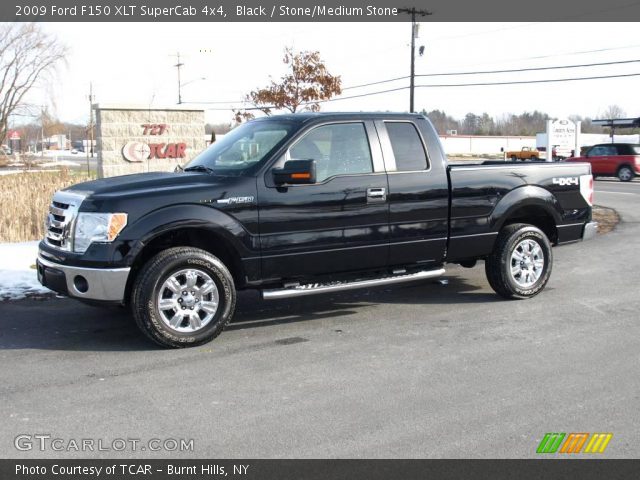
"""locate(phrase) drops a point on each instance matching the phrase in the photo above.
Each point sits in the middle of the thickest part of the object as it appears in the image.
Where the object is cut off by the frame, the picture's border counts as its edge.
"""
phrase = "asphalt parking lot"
(428, 370)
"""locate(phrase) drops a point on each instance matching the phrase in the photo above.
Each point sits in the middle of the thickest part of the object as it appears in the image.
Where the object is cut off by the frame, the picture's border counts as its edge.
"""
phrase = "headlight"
(97, 227)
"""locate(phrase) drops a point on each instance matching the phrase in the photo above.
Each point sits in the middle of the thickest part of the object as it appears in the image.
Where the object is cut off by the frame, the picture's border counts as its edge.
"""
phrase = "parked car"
(621, 160)
(306, 204)
(526, 153)
(4, 159)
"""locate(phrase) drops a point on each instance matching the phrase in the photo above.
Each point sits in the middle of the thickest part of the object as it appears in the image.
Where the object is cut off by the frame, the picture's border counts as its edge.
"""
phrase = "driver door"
(338, 224)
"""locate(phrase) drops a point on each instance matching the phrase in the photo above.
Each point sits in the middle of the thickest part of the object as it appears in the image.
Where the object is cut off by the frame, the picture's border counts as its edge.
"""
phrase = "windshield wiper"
(199, 168)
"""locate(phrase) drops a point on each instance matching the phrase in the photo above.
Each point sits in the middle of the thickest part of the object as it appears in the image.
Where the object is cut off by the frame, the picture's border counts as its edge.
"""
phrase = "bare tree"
(27, 56)
(306, 84)
(613, 112)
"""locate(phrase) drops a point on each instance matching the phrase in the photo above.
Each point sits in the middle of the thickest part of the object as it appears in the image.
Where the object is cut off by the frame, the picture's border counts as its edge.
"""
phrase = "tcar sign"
(139, 151)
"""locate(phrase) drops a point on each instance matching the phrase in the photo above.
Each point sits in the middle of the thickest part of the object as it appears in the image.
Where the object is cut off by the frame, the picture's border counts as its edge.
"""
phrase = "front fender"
(174, 217)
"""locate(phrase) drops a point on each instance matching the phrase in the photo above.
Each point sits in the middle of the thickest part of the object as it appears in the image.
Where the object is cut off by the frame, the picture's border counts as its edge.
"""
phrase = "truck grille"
(61, 219)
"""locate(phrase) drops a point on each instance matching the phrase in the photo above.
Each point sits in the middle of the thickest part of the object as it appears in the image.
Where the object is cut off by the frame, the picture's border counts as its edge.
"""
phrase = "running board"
(314, 288)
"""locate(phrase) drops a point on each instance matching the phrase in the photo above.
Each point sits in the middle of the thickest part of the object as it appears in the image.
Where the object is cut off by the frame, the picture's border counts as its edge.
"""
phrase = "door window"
(602, 151)
(338, 149)
(407, 146)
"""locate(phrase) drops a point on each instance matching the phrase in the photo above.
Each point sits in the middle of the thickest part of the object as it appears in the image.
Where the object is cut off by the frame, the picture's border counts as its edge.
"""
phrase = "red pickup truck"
(621, 160)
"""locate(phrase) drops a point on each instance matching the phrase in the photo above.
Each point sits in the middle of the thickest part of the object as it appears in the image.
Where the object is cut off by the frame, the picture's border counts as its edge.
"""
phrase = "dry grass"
(25, 200)
(607, 218)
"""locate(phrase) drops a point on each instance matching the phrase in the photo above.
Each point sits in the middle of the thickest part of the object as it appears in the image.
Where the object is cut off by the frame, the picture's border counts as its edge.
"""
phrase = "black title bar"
(317, 11)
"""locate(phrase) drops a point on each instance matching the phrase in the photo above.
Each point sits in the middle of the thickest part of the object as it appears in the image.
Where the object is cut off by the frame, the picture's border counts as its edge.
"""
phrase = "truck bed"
(484, 194)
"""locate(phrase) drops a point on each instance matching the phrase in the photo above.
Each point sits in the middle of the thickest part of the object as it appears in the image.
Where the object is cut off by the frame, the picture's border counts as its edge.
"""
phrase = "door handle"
(376, 194)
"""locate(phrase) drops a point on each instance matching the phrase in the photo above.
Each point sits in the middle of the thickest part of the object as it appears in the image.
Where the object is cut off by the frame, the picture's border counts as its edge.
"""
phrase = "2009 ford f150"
(302, 204)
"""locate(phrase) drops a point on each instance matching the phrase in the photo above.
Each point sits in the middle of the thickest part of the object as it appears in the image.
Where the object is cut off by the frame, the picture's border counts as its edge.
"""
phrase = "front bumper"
(98, 284)
(590, 230)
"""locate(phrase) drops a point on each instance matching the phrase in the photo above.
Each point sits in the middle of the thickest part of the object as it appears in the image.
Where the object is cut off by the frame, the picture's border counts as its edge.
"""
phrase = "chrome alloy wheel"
(188, 300)
(527, 263)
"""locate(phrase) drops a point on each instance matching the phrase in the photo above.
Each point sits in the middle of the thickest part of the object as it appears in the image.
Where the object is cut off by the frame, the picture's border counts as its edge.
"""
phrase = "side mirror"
(295, 172)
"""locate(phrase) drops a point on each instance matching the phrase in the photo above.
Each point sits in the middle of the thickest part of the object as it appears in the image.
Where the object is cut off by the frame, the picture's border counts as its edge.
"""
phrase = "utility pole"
(42, 110)
(414, 34)
(178, 65)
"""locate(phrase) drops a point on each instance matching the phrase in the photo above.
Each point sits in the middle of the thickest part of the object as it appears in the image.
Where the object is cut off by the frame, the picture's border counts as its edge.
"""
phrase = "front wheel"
(183, 297)
(625, 174)
(520, 265)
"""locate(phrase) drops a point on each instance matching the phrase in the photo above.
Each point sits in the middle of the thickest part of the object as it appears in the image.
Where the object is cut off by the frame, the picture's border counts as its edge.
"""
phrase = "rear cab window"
(408, 149)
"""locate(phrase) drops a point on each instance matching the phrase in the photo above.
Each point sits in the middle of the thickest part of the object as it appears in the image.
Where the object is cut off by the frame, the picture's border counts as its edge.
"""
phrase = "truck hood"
(141, 183)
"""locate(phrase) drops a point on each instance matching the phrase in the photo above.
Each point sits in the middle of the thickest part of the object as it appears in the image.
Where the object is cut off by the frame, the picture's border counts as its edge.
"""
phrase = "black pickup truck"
(303, 204)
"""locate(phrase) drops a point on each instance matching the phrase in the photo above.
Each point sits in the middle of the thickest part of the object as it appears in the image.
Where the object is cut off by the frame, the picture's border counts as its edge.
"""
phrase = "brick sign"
(136, 139)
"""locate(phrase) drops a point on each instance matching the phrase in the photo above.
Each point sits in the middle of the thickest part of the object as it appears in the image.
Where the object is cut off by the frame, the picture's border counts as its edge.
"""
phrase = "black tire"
(149, 284)
(625, 173)
(534, 158)
(514, 158)
(498, 265)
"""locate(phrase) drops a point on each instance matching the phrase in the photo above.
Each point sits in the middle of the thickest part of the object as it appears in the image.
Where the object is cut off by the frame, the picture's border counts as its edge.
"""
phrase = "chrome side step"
(315, 288)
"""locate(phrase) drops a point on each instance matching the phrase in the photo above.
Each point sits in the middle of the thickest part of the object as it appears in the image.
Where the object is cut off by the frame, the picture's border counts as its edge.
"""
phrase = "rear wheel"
(520, 265)
(625, 174)
(514, 158)
(183, 297)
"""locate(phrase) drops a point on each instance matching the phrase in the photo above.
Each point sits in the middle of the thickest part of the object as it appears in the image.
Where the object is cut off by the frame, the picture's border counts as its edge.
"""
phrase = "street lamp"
(181, 85)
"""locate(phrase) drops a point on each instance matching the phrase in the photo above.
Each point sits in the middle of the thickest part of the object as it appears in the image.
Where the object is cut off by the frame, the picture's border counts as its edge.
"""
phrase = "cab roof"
(323, 116)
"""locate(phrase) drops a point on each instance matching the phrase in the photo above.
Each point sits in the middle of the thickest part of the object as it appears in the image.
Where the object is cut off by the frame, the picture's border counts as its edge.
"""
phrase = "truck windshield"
(242, 148)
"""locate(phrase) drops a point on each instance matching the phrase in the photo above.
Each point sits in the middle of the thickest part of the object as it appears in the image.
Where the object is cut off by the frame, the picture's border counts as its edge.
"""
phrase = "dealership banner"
(317, 469)
(317, 11)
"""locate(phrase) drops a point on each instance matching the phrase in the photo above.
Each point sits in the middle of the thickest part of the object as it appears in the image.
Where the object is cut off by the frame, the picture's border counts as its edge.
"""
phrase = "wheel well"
(189, 237)
(624, 165)
(536, 216)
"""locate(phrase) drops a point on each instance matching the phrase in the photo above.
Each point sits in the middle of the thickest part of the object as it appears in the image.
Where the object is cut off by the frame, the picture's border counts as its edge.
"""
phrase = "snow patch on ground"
(60, 163)
(17, 277)
(15, 172)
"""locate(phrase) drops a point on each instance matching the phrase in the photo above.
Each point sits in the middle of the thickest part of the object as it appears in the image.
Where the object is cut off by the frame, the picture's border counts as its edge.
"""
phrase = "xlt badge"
(233, 200)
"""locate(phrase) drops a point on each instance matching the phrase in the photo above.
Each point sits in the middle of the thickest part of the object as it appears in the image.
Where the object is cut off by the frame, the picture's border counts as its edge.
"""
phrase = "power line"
(449, 85)
(529, 69)
(514, 82)
(375, 83)
(488, 72)
(365, 94)
(565, 54)
(520, 82)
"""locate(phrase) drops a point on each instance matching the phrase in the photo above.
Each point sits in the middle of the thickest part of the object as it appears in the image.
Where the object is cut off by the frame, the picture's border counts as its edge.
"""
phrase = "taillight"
(586, 188)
